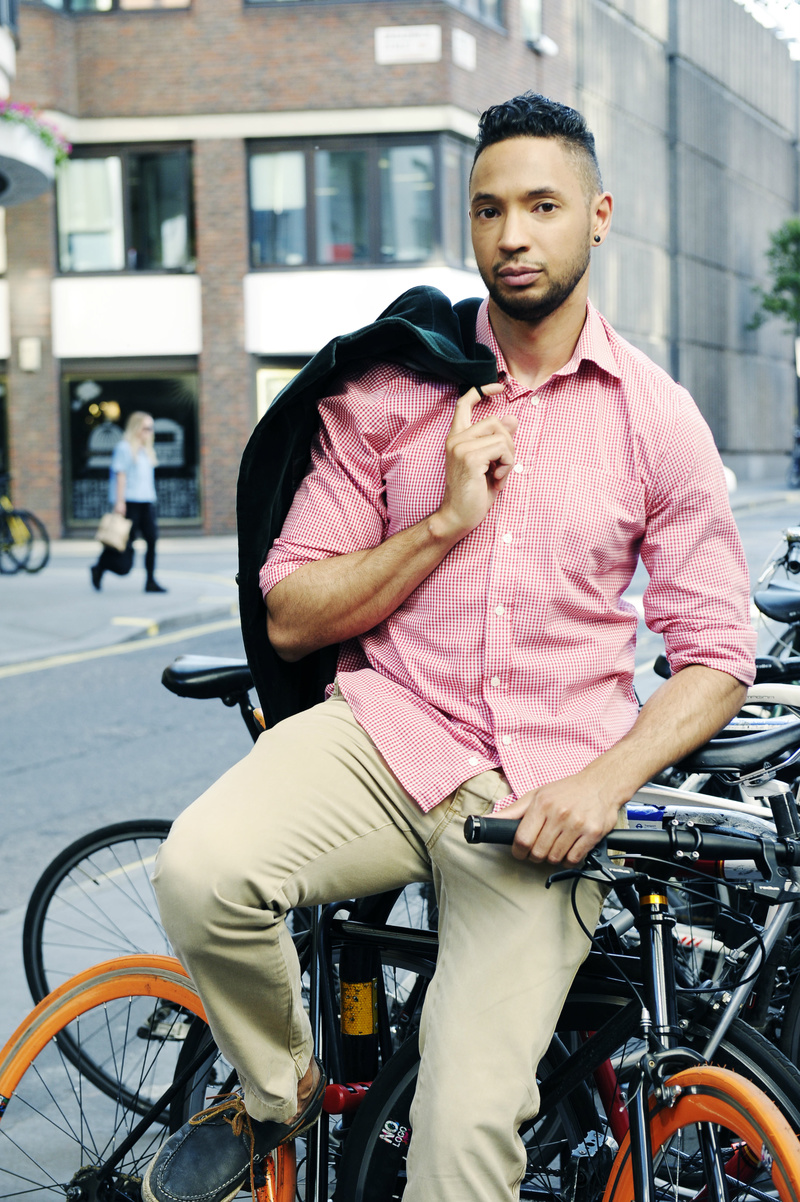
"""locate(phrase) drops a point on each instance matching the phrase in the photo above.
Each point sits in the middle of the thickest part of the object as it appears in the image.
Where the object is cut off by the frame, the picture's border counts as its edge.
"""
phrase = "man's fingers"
(462, 418)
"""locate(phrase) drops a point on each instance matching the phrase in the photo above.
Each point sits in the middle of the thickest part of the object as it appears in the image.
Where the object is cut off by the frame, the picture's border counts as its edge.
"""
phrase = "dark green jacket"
(422, 331)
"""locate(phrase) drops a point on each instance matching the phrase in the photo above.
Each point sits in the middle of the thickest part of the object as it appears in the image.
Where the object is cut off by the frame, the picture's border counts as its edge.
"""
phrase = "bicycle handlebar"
(675, 843)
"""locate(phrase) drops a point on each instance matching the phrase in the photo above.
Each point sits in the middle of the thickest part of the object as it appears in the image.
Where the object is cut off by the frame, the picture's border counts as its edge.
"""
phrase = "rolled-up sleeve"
(698, 596)
(340, 505)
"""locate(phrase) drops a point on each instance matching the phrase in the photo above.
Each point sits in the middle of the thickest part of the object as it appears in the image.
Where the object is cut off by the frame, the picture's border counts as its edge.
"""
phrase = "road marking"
(146, 624)
(79, 657)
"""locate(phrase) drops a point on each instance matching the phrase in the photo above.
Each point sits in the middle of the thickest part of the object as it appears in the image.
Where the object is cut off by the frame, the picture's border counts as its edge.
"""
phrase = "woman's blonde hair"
(136, 437)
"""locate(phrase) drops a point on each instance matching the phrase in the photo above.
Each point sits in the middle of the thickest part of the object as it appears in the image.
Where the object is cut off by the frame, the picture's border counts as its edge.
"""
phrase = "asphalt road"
(97, 740)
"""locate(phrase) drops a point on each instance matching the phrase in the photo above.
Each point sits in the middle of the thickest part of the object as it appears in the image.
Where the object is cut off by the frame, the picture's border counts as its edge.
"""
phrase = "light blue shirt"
(140, 483)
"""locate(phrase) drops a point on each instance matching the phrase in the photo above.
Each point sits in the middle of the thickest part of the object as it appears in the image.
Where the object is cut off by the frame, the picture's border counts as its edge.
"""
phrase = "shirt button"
(506, 739)
(473, 761)
(518, 467)
(499, 610)
(534, 400)
(507, 538)
(495, 681)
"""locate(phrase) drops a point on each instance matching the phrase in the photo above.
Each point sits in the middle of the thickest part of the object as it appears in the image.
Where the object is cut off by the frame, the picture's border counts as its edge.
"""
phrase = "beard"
(533, 309)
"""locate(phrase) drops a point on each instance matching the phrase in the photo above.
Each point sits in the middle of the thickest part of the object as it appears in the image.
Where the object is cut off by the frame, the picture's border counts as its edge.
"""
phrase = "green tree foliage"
(783, 258)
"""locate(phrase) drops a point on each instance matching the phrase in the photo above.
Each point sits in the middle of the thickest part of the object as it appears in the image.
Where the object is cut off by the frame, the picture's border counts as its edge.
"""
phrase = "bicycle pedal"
(264, 1180)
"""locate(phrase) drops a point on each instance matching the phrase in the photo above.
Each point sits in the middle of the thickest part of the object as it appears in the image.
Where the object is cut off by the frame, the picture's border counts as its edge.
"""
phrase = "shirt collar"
(592, 346)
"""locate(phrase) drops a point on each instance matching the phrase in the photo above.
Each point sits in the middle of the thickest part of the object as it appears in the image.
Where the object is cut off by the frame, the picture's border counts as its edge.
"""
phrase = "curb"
(168, 625)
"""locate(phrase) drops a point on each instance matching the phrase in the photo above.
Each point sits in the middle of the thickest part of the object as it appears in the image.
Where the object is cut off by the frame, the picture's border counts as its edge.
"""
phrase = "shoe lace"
(239, 1121)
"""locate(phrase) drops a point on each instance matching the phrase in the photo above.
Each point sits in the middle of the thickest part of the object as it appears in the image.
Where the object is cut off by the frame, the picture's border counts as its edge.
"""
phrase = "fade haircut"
(534, 116)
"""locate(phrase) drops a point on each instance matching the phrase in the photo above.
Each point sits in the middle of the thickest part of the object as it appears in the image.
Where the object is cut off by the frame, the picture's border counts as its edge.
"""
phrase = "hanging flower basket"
(30, 151)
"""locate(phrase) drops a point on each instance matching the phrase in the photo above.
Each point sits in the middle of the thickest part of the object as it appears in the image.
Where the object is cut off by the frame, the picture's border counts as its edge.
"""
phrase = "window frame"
(113, 371)
(65, 6)
(374, 145)
(124, 153)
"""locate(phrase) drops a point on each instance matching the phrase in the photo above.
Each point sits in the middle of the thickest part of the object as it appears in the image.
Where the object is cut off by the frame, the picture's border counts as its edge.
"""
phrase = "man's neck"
(533, 351)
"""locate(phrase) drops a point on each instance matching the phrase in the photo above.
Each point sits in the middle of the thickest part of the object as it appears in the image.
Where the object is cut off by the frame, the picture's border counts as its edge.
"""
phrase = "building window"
(97, 407)
(128, 210)
(271, 379)
(359, 201)
(107, 6)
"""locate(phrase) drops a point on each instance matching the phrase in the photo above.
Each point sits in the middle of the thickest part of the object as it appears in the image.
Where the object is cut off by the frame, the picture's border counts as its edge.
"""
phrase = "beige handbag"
(113, 531)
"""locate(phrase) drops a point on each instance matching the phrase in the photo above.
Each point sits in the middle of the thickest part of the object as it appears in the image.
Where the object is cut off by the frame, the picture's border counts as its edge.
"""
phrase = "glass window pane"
(341, 206)
(90, 6)
(278, 208)
(407, 203)
(455, 203)
(97, 409)
(161, 211)
(90, 231)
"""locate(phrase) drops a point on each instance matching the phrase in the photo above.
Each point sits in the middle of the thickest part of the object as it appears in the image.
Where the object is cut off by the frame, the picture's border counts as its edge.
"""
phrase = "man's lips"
(519, 276)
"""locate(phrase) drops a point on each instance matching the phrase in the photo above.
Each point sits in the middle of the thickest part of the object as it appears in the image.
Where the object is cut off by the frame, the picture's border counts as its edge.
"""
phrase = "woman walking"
(132, 492)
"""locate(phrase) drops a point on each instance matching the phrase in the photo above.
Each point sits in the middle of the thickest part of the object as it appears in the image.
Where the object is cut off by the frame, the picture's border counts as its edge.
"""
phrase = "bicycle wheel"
(62, 1137)
(373, 1167)
(755, 1148)
(15, 542)
(38, 541)
(93, 901)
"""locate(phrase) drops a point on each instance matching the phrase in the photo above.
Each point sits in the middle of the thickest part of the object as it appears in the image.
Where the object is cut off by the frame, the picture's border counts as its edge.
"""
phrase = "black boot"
(153, 586)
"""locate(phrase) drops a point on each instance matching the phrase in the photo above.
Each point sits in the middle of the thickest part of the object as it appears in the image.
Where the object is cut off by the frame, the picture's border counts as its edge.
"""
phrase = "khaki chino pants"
(314, 815)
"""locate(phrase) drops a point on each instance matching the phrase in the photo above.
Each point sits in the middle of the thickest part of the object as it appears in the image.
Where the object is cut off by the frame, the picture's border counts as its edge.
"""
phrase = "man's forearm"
(685, 712)
(564, 819)
(340, 597)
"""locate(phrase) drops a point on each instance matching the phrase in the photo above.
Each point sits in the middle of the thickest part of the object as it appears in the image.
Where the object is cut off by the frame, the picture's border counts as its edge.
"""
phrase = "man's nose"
(515, 234)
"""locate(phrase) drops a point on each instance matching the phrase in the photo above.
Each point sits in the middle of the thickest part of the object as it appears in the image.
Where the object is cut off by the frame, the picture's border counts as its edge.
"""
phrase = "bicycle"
(171, 1065)
(24, 541)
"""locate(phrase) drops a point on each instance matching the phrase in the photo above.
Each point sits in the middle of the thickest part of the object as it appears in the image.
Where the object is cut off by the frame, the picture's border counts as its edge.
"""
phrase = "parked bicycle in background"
(24, 541)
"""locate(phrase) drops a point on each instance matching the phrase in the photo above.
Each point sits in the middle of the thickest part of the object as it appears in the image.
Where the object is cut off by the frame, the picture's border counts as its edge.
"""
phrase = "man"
(469, 554)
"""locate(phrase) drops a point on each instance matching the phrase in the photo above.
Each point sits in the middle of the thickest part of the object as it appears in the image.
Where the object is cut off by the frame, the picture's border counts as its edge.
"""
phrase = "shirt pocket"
(600, 523)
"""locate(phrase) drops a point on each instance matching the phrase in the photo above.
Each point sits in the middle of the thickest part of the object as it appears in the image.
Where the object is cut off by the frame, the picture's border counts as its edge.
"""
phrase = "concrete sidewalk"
(57, 612)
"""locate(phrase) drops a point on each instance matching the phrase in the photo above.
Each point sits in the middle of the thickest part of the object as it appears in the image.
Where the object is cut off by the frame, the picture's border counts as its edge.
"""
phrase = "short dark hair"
(534, 116)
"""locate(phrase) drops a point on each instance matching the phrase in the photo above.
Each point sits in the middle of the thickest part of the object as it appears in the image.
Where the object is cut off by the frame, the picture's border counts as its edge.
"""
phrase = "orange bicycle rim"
(716, 1095)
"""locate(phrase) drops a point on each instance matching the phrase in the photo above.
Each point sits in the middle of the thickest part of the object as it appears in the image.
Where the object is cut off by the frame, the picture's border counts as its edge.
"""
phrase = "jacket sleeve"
(698, 594)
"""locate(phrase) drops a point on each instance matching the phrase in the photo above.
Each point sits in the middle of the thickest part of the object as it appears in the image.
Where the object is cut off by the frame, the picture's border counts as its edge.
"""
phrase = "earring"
(597, 237)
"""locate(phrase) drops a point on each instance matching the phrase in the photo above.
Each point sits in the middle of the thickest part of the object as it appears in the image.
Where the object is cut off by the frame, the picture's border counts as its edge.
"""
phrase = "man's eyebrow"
(532, 194)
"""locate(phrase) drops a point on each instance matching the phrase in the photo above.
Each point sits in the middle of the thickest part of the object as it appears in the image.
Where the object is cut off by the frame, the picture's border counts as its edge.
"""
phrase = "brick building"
(250, 178)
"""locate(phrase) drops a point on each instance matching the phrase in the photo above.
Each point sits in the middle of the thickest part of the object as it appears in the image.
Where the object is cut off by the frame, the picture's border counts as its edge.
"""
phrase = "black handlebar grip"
(490, 830)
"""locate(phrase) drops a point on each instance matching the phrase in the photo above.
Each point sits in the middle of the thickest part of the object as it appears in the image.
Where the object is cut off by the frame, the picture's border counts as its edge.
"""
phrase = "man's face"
(531, 224)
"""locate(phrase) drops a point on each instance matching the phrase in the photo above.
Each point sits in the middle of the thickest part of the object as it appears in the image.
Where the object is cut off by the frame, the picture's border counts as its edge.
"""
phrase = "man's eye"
(547, 206)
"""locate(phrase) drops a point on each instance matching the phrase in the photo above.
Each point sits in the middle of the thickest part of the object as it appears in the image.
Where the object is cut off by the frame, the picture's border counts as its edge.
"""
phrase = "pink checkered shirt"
(518, 650)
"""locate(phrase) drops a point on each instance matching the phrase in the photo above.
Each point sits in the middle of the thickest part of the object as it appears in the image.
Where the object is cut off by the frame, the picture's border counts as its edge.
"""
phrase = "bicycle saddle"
(765, 749)
(779, 602)
(204, 676)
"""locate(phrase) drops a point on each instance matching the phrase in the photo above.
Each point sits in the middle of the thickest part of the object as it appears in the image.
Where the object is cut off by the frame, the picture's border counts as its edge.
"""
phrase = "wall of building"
(695, 112)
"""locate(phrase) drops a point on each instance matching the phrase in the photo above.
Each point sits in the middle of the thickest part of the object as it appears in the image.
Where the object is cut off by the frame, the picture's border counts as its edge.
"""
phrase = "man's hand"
(561, 822)
(478, 459)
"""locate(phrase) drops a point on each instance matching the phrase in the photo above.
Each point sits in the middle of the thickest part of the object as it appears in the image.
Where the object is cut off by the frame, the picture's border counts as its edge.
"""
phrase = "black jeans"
(143, 516)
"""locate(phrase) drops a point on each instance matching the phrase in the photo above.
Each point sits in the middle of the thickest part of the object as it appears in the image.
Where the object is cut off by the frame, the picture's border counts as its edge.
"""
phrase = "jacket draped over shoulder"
(422, 331)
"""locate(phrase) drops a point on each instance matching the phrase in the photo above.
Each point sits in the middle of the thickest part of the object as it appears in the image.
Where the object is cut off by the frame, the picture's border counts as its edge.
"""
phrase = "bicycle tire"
(738, 1109)
(56, 1129)
(93, 901)
(14, 550)
(39, 551)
